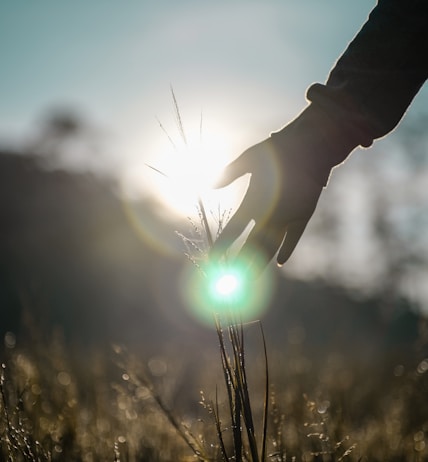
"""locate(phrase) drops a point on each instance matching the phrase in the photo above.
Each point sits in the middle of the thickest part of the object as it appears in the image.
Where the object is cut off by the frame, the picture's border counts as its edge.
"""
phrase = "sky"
(244, 64)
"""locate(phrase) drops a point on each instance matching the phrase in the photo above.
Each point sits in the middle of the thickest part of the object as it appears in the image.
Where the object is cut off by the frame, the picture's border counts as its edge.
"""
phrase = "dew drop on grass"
(35, 389)
(157, 366)
(398, 370)
(422, 366)
(419, 439)
(10, 340)
(130, 414)
(46, 407)
(117, 349)
(72, 403)
(419, 436)
(142, 393)
(323, 407)
(64, 378)
(85, 415)
(419, 446)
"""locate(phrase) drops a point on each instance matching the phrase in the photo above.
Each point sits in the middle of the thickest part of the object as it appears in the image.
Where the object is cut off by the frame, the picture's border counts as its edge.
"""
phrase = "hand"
(280, 199)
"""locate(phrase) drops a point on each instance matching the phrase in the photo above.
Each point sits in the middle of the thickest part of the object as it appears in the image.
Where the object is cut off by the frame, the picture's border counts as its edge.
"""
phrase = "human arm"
(365, 96)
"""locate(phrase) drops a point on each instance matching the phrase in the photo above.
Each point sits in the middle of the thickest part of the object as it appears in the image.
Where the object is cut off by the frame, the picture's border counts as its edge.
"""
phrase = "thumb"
(239, 167)
(294, 233)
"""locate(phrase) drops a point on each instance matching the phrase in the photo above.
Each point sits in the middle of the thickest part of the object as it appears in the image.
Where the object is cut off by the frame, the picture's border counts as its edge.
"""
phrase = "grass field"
(100, 406)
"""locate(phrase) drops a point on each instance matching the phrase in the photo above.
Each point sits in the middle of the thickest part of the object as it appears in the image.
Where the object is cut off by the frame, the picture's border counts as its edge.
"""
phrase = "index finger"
(294, 233)
(262, 244)
(232, 231)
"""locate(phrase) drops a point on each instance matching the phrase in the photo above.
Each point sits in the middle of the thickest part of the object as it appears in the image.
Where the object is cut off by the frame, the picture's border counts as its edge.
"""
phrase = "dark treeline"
(69, 258)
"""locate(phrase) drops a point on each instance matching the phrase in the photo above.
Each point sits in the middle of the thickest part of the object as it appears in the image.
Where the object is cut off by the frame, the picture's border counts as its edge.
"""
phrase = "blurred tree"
(67, 140)
(374, 237)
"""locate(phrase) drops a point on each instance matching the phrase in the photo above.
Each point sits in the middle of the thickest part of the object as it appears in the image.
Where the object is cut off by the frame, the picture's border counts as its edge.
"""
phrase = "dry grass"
(55, 408)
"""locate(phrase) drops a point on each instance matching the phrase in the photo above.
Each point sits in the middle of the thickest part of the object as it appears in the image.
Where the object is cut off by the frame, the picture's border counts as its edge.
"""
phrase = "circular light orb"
(227, 284)
(230, 291)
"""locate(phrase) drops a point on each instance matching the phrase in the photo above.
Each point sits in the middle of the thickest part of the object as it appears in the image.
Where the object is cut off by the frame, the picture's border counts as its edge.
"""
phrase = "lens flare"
(227, 284)
(224, 286)
(230, 290)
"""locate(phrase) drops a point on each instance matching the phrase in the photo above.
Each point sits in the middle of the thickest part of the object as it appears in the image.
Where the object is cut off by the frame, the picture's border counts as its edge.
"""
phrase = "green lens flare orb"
(227, 284)
(226, 290)
(224, 287)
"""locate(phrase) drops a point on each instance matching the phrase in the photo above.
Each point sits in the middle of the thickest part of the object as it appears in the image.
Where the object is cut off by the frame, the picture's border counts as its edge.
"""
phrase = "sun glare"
(189, 172)
(182, 172)
(173, 176)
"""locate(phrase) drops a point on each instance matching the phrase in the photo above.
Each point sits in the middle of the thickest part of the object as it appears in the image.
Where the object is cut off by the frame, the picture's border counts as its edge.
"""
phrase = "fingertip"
(294, 233)
(286, 251)
(222, 182)
(284, 254)
(282, 261)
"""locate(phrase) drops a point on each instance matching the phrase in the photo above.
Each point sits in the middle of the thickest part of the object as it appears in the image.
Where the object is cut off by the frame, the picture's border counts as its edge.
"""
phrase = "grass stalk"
(233, 364)
(189, 439)
(219, 429)
(232, 393)
(236, 382)
(266, 398)
(9, 434)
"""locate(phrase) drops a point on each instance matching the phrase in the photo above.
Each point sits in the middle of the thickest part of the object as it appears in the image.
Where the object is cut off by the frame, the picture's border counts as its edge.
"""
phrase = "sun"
(183, 171)
(172, 177)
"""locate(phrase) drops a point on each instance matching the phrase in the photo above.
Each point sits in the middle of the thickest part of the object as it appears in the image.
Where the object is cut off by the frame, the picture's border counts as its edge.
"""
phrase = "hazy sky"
(244, 63)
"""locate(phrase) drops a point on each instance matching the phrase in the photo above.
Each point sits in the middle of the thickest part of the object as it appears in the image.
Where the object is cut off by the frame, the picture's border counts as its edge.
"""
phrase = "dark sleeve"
(372, 84)
(381, 71)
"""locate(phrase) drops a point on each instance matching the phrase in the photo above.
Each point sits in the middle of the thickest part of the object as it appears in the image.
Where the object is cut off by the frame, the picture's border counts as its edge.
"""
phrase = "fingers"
(294, 233)
(239, 167)
(261, 246)
(231, 232)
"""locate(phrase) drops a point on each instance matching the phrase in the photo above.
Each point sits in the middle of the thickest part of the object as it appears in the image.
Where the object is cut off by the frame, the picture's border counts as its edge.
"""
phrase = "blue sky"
(247, 63)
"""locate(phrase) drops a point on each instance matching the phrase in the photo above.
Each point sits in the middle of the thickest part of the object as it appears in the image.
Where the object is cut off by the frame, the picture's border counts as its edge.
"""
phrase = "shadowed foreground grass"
(113, 406)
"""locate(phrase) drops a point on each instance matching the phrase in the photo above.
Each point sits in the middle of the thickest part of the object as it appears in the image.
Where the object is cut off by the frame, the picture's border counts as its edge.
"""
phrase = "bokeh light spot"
(231, 291)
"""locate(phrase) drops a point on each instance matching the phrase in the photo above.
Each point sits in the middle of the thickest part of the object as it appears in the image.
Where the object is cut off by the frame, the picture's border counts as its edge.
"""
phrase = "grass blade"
(266, 398)
(216, 414)
(178, 117)
(167, 134)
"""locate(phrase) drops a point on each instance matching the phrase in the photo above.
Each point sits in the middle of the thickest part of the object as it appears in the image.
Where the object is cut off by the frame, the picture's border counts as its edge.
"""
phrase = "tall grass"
(55, 406)
(232, 351)
(240, 406)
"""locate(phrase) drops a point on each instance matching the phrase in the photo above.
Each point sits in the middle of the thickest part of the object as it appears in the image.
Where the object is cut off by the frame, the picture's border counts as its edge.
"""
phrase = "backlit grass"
(118, 406)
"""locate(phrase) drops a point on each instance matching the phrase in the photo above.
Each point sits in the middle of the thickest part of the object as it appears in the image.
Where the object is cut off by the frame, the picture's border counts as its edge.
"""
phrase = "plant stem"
(205, 223)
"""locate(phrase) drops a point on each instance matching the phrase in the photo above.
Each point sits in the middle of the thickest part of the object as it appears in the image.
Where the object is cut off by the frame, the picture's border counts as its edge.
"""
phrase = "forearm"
(381, 71)
(371, 85)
